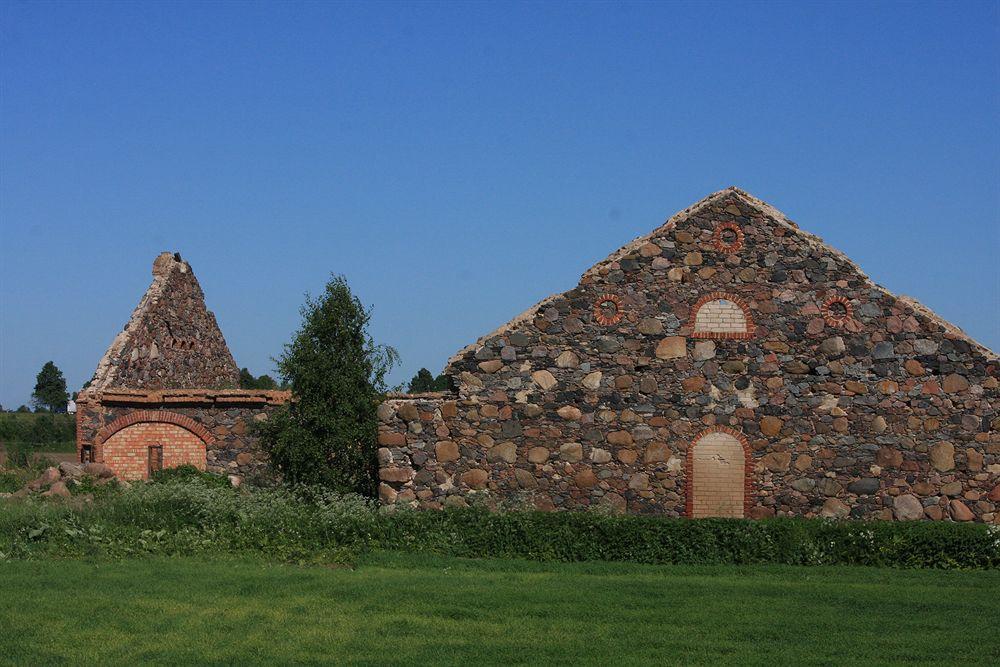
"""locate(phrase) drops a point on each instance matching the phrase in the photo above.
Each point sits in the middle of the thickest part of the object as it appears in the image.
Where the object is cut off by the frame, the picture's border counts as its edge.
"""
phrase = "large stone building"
(727, 364)
(166, 391)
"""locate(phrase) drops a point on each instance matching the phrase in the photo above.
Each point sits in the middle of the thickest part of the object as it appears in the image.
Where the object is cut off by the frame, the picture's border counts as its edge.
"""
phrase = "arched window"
(718, 474)
(721, 315)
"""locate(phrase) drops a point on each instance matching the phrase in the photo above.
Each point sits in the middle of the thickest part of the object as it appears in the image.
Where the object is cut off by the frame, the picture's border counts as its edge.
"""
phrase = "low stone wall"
(206, 428)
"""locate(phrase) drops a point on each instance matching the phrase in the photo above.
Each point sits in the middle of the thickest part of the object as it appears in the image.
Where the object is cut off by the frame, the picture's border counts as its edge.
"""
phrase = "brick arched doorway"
(718, 474)
(141, 442)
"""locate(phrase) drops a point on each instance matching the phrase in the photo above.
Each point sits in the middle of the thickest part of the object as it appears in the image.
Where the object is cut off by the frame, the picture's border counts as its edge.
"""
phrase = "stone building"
(727, 364)
(166, 391)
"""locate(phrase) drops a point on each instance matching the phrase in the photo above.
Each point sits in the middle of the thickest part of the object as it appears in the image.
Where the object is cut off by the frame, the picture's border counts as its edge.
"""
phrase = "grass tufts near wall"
(189, 515)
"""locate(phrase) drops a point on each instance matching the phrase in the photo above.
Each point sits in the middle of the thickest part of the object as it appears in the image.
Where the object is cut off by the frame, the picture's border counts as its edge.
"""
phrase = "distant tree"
(328, 435)
(50, 389)
(423, 381)
(266, 382)
(248, 381)
(24, 408)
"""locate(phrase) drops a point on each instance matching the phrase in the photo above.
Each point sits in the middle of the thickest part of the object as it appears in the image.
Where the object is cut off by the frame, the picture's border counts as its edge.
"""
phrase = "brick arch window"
(722, 316)
(139, 443)
(718, 472)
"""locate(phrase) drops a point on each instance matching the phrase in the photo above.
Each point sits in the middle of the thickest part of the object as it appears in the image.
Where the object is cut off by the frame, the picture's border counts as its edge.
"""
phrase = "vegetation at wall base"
(194, 516)
(328, 435)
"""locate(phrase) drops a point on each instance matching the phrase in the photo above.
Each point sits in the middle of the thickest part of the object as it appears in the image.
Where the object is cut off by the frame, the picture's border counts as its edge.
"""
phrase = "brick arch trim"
(747, 469)
(719, 335)
(149, 416)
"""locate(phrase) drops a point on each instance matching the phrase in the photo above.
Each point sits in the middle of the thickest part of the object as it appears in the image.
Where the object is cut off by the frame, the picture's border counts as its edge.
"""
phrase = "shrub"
(189, 515)
(327, 436)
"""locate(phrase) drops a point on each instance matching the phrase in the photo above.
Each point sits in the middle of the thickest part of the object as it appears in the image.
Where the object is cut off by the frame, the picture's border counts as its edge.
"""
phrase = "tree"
(328, 434)
(423, 381)
(248, 381)
(50, 389)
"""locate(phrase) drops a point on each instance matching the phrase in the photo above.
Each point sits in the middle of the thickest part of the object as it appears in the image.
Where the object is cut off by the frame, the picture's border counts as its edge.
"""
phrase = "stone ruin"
(166, 393)
(727, 364)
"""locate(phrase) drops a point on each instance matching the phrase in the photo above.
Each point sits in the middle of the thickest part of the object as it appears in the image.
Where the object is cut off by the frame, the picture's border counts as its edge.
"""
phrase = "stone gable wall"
(171, 341)
(853, 402)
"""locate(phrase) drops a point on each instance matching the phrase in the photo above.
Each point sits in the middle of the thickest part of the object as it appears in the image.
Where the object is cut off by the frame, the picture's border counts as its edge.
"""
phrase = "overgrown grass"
(194, 515)
(404, 609)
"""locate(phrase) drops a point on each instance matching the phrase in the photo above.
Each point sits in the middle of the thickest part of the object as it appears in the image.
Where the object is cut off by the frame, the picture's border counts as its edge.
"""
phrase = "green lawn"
(402, 609)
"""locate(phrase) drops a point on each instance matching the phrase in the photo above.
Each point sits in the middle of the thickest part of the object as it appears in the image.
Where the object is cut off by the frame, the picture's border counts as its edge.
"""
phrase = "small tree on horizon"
(328, 434)
(50, 389)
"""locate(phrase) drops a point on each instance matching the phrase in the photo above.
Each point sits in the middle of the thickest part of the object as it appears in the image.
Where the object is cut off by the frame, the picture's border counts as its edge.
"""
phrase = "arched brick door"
(134, 445)
(718, 481)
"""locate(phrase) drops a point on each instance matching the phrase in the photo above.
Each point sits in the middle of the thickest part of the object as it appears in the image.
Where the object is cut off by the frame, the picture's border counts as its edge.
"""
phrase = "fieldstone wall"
(850, 401)
(218, 420)
(171, 341)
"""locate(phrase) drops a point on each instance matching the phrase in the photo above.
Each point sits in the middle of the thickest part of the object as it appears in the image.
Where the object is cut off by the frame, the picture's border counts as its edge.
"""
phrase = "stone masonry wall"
(171, 341)
(119, 426)
(849, 400)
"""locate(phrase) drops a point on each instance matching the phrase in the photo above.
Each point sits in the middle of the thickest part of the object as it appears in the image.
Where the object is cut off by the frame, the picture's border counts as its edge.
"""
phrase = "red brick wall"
(127, 450)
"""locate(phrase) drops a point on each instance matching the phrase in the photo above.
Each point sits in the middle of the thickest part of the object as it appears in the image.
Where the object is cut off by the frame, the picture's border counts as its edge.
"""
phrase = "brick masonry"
(847, 400)
(206, 428)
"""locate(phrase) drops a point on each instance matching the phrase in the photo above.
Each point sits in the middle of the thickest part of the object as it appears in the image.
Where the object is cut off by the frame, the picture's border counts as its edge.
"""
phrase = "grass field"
(404, 609)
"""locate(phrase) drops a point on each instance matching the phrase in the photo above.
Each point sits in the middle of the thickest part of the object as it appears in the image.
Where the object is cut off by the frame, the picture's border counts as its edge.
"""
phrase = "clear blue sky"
(458, 162)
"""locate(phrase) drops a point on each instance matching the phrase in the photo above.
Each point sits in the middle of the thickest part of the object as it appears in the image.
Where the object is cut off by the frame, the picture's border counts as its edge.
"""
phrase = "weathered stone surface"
(959, 511)
(408, 412)
(954, 383)
(907, 508)
(650, 326)
(657, 451)
(592, 380)
(887, 457)
(834, 509)
(777, 461)
(672, 347)
(943, 456)
(771, 426)
(544, 379)
(567, 359)
(703, 350)
(475, 478)
(446, 450)
(863, 487)
(571, 451)
(505, 451)
(833, 346)
(538, 454)
(569, 412)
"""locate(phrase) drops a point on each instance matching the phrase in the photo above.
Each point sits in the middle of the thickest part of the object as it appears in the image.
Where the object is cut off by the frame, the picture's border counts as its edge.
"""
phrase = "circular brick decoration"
(838, 312)
(608, 309)
(727, 237)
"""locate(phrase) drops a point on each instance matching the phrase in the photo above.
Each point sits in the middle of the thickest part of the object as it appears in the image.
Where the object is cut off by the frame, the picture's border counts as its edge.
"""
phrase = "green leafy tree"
(423, 381)
(50, 389)
(328, 434)
(23, 408)
(248, 381)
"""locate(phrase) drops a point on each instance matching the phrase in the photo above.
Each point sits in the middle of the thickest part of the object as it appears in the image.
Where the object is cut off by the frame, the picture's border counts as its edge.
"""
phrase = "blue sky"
(459, 162)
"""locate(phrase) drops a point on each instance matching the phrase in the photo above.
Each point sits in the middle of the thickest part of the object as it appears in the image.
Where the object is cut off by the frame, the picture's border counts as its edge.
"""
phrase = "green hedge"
(191, 516)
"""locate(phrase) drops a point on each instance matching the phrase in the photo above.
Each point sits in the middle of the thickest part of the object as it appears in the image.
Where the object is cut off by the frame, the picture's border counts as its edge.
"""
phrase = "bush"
(187, 473)
(194, 514)
(328, 435)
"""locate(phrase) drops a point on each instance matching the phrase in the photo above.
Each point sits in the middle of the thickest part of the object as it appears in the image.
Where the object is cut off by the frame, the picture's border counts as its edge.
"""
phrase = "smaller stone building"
(166, 392)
